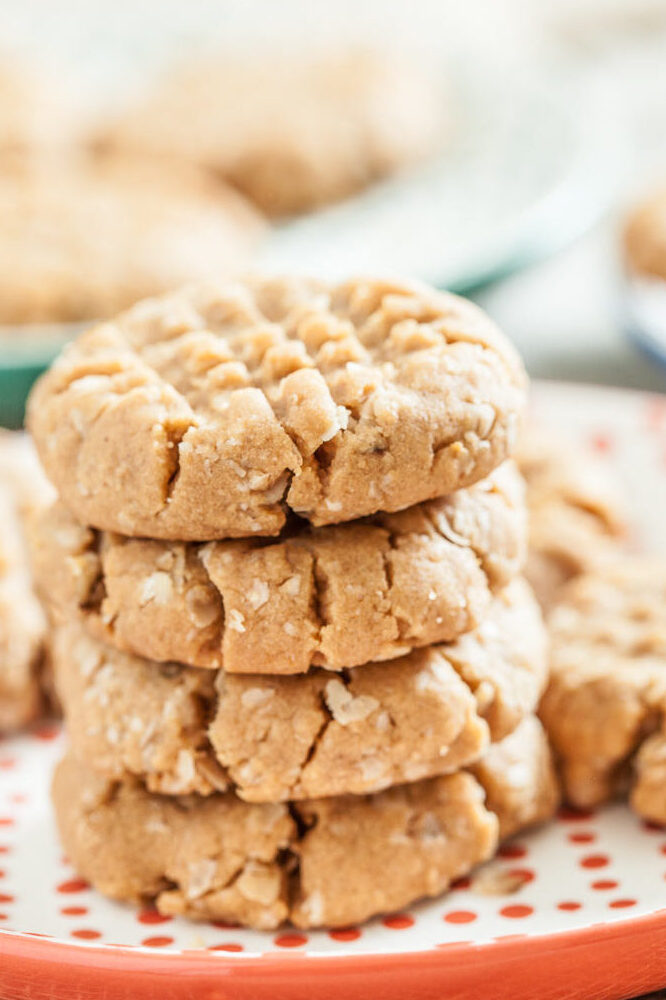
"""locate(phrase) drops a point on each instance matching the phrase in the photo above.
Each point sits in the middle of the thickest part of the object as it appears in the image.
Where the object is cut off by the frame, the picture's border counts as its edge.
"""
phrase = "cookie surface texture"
(330, 862)
(333, 596)
(215, 411)
(182, 729)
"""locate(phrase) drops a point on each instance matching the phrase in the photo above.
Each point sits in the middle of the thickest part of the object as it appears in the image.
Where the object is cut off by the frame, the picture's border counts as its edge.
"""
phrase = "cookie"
(22, 621)
(182, 729)
(577, 517)
(87, 239)
(307, 131)
(331, 596)
(329, 862)
(34, 116)
(605, 707)
(213, 412)
(645, 238)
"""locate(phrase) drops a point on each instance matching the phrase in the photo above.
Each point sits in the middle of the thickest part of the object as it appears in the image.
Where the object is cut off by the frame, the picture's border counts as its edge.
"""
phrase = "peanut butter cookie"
(605, 707)
(82, 239)
(22, 621)
(577, 518)
(291, 133)
(645, 237)
(329, 862)
(334, 596)
(182, 729)
(214, 411)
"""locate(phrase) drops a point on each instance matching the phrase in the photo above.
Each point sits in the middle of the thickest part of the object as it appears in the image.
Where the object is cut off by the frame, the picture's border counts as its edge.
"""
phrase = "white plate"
(583, 880)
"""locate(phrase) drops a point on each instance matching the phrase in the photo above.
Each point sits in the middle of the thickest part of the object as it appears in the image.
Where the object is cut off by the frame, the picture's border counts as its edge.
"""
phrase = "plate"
(586, 917)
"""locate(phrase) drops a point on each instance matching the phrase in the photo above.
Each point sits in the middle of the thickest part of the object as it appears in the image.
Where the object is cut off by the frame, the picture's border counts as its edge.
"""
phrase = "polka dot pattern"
(516, 911)
(157, 941)
(152, 917)
(290, 940)
(398, 922)
(594, 861)
(345, 934)
(584, 854)
(460, 917)
(586, 868)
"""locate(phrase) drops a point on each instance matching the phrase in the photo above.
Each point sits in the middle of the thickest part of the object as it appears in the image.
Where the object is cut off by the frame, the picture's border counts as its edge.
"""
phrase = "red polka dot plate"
(575, 910)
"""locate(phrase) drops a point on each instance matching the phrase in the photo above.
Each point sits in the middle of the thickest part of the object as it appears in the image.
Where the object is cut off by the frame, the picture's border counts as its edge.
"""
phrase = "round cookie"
(86, 239)
(307, 131)
(645, 238)
(330, 862)
(22, 621)
(605, 707)
(577, 518)
(333, 596)
(182, 729)
(212, 412)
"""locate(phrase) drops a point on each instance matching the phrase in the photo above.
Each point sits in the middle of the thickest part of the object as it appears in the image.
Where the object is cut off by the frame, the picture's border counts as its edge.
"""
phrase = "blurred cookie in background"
(605, 707)
(577, 517)
(34, 112)
(645, 237)
(81, 238)
(291, 132)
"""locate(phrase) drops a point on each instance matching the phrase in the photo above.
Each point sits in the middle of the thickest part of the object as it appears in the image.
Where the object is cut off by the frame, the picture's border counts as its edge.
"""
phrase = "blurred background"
(496, 147)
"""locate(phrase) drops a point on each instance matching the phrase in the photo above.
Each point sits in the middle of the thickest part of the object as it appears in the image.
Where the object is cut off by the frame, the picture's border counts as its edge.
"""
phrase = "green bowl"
(25, 352)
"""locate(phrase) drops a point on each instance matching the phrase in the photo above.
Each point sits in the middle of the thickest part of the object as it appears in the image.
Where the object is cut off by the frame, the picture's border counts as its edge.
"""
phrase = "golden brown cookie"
(645, 237)
(22, 621)
(333, 596)
(216, 410)
(184, 730)
(605, 707)
(81, 240)
(577, 518)
(291, 132)
(323, 862)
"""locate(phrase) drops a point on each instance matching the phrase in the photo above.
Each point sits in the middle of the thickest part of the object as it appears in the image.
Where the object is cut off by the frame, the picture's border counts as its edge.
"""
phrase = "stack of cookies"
(296, 657)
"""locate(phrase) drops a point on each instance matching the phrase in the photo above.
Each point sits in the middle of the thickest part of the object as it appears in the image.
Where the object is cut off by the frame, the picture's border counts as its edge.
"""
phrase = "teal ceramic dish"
(24, 353)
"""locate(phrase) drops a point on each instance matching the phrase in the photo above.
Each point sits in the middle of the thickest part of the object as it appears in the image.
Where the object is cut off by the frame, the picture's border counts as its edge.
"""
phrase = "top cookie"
(212, 412)
(306, 132)
(645, 237)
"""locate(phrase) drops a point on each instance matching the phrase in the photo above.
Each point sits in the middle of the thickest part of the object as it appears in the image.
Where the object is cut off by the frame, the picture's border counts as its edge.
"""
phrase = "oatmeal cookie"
(183, 729)
(291, 133)
(329, 862)
(214, 411)
(577, 518)
(81, 240)
(22, 621)
(645, 238)
(334, 596)
(605, 707)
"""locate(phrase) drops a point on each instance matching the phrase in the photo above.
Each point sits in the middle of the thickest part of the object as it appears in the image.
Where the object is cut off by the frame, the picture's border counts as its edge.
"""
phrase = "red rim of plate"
(30, 946)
